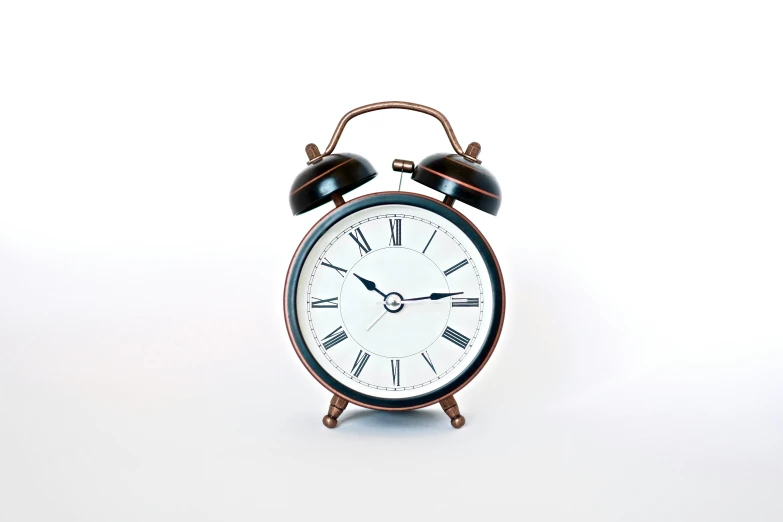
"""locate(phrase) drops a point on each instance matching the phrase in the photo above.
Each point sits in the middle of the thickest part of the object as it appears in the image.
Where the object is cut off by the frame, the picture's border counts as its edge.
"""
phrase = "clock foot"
(449, 405)
(336, 407)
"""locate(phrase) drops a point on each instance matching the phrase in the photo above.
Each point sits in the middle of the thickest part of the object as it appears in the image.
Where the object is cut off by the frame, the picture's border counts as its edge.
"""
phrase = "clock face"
(395, 298)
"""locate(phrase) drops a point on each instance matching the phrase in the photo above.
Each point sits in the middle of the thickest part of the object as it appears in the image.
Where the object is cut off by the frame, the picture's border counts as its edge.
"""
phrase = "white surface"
(146, 151)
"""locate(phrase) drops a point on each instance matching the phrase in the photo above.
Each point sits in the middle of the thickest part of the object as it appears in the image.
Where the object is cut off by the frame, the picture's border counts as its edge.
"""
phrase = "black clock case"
(386, 198)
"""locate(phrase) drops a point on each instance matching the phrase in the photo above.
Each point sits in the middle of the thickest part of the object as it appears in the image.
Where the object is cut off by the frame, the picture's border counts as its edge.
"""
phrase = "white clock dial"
(394, 301)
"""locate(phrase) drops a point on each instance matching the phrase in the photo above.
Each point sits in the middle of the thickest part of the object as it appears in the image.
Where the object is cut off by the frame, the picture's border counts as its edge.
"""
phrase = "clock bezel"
(373, 200)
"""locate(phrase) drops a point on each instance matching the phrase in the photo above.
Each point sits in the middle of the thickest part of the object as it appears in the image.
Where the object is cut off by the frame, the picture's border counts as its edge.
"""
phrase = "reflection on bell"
(332, 175)
(460, 178)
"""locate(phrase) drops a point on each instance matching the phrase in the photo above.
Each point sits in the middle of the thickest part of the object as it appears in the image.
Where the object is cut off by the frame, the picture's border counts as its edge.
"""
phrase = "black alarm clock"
(394, 300)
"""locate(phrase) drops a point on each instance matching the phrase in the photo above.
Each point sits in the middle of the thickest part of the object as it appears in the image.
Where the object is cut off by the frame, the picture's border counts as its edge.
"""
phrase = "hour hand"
(433, 297)
(369, 285)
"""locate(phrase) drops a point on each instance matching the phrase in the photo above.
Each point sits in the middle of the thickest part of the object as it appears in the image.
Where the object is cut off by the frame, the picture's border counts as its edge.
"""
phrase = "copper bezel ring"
(377, 199)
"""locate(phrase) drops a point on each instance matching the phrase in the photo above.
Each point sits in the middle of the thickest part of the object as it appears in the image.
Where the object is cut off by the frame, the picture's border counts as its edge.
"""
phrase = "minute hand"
(432, 297)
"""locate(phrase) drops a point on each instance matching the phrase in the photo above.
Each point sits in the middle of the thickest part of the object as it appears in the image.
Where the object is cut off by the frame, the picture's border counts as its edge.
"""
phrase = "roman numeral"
(396, 232)
(395, 372)
(358, 364)
(464, 302)
(336, 268)
(428, 242)
(336, 337)
(429, 361)
(456, 267)
(323, 303)
(456, 337)
(364, 246)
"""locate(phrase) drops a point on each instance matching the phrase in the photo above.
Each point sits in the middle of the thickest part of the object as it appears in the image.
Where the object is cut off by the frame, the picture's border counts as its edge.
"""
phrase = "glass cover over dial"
(394, 301)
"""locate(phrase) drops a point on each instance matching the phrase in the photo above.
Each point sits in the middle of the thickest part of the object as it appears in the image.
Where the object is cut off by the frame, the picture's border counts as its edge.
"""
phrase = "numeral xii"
(396, 232)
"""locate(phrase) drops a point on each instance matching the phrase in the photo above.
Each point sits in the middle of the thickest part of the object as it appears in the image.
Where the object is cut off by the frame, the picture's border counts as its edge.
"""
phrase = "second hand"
(375, 321)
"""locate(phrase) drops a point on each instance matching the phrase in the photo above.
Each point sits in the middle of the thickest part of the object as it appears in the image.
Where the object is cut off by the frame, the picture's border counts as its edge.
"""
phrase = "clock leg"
(449, 405)
(336, 407)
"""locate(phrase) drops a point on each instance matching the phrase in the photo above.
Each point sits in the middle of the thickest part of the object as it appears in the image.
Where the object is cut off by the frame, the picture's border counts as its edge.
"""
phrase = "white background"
(146, 153)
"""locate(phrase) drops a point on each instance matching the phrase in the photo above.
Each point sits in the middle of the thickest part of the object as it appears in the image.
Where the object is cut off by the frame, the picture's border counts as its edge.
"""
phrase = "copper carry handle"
(314, 156)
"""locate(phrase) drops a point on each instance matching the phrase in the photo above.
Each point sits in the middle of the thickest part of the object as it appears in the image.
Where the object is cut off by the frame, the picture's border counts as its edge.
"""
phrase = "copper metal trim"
(400, 165)
(319, 176)
(473, 376)
(449, 405)
(393, 105)
(458, 182)
(471, 167)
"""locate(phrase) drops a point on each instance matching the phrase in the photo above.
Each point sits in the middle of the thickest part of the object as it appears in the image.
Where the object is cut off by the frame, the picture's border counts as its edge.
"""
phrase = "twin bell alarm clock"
(394, 300)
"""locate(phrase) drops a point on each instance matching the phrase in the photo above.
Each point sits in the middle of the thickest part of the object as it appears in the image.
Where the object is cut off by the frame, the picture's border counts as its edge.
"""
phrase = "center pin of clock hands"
(392, 301)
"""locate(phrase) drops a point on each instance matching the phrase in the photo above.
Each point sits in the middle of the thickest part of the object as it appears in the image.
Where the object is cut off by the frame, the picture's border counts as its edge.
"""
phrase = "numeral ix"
(323, 303)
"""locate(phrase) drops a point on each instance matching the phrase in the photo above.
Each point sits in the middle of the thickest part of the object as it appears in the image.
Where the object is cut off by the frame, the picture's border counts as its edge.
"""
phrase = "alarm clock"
(394, 300)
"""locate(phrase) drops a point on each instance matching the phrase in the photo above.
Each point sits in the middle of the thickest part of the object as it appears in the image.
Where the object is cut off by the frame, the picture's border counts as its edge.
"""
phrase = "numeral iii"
(464, 302)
